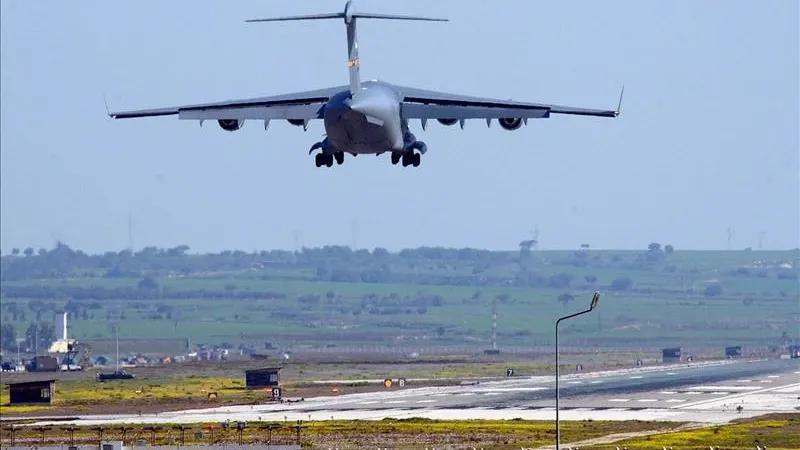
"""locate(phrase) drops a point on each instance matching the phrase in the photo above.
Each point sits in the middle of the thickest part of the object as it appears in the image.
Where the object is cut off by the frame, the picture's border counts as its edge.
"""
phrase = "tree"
(654, 247)
(621, 284)
(669, 249)
(147, 284)
(559, 281)
(28, 251)
(15, 251)
(565, 298)
(712, 290)
(590, 278)
(8, 336)
(525, 248)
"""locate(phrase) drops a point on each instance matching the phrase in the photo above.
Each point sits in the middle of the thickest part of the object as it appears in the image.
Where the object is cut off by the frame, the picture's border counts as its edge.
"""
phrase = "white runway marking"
(595, 382)
(619, 400)
(636, 377)
(647, 400)
(773, 376)
(693, 393)
(724, 388)
(574, 382)
(394, 402)
(671, 373)
(368, 403)
(766, 381)
(668, 392)
(425, 401)
(744, 381)
(519, 389)
(675, 400)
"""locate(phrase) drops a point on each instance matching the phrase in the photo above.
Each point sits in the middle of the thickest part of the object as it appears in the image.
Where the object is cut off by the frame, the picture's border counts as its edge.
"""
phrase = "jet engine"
(230, 124)
(296, 122)
(510, 123)
(447, 122)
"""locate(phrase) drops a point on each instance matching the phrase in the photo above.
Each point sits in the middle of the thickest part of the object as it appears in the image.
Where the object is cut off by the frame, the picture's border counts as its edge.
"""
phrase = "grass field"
(408, 433)
(776, 432)
(756, 300)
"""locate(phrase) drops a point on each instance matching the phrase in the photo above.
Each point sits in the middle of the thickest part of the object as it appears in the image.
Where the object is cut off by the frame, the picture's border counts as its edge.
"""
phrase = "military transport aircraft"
(365, 118)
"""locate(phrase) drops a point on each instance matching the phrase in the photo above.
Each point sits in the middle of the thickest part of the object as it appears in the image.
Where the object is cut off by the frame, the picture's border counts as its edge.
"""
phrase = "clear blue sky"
(708, 138)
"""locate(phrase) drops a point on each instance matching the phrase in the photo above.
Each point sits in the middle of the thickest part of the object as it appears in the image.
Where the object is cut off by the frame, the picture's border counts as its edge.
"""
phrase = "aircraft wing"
(305, 105)
(423, 104)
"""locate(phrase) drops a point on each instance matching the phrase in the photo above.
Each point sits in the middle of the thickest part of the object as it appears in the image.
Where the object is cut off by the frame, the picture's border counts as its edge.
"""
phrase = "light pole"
(593, 305)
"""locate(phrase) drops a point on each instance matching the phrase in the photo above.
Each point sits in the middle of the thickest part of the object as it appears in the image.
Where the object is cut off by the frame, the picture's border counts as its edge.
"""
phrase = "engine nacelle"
(296, 122)
(447, 122)
(230, 124)
(510, 123)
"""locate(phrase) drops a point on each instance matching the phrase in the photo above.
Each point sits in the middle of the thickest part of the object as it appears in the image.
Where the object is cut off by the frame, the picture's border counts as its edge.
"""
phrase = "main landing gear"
(326, 158)
(409, 159)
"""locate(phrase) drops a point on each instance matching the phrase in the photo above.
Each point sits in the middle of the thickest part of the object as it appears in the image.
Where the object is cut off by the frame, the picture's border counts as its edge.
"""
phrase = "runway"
(674, 393)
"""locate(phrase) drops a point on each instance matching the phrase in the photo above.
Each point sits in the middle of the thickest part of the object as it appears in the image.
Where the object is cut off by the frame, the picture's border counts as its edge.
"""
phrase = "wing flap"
(305, 112)
(428, 111)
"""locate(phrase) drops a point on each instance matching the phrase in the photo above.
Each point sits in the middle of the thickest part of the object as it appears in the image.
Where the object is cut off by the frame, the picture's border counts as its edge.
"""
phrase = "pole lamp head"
(595, 301)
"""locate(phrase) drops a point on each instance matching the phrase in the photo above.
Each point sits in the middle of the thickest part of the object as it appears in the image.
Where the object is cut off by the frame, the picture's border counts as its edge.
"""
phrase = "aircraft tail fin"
(350, 15)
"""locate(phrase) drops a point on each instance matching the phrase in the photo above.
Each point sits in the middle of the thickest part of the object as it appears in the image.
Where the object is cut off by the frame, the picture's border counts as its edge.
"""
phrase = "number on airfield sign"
(401, 382)
(509, 372)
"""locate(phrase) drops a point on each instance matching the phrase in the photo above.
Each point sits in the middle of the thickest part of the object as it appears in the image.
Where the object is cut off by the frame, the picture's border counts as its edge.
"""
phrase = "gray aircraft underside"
(369, 117)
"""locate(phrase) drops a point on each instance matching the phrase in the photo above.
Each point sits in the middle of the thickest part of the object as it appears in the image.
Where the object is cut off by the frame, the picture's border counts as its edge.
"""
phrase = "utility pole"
(494, 324)
(729, 230)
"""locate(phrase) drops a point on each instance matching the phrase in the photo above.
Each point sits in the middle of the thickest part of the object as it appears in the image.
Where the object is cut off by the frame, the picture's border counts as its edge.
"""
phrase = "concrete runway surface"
(699, 392)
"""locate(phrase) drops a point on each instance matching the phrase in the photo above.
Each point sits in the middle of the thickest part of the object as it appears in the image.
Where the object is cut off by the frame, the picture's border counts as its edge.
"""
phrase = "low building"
(262, 378)
(671, 355)
(733, 352)
(32, 392)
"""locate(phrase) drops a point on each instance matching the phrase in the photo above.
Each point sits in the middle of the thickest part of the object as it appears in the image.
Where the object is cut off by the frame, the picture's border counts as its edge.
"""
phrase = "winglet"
(105, 100)
(619, 105)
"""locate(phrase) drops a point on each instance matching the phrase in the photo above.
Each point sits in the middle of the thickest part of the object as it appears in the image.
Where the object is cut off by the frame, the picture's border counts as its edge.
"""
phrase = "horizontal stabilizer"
(396, 17)
(309, 17)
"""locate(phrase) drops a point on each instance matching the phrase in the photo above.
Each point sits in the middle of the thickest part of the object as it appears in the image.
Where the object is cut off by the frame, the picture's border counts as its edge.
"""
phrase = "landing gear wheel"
(329, 160)
(339, 158)
(406, 159)
(318, 160)
(395, 158)
(415, 159)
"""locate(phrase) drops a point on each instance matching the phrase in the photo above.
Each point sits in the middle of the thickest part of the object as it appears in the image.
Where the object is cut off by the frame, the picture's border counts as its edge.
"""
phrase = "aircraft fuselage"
(368, 122)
